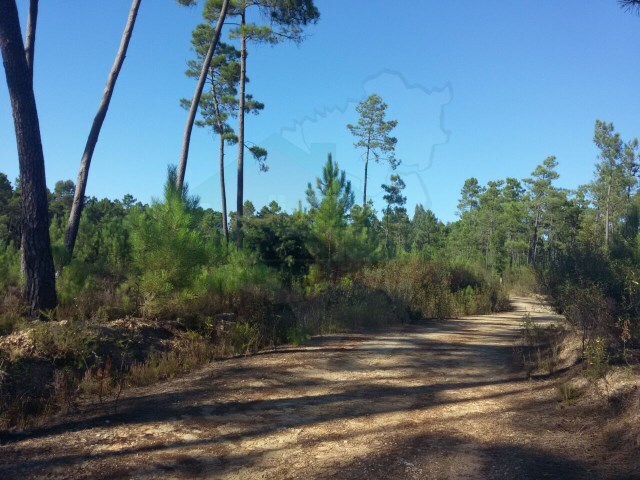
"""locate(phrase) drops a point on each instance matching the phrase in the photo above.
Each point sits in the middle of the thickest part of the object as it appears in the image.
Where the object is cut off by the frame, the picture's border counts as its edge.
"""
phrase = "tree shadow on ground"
(437, 456)
(287, 401)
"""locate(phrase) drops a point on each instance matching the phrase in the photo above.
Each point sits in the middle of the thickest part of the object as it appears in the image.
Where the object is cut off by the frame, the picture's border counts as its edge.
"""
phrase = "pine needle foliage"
(167, 248)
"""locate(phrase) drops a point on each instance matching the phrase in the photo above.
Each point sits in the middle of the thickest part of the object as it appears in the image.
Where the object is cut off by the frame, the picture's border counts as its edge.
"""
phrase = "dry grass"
(611, 390)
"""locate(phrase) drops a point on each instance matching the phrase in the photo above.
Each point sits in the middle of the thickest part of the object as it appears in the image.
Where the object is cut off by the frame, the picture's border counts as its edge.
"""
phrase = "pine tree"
(541, 193)
(92, 140)
(615, 176)
(284, 20)
(373, 135)
(395, 220)
(330, 204)
(195, 100)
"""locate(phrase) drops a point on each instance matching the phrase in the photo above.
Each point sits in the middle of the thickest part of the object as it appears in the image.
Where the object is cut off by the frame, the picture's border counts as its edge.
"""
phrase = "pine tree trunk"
(534, 240)
(221, 128)
(223, 192)
(195, 101)
(366, 171)
(30, 43)
(241, 108)
(40, 286)
(85, 163)
(29, 49)
(606, 216)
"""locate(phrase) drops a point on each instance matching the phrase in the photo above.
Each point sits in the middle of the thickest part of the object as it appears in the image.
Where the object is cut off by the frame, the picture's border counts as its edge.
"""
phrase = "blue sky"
(485, 89)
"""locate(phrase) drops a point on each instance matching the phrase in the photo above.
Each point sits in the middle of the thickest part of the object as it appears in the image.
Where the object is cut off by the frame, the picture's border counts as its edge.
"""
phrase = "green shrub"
(9, 267)
(297, 335)
(245, 338)
(168, 251)
(348, 305)
(75, 280)
(8, 323)
(238, 272)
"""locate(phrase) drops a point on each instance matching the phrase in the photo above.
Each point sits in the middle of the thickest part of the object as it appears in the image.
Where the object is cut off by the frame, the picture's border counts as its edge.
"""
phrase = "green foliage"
(238, 272)
(284, 19)
(345, 306)
(168, 252)
(297, 335)
(10, 227)
(330, 204)
(372, 131)
(427, 234)
(279, 240)
(75, 280)
(245, 337)
(395, 221)
(615, 178)
(373, 135)
(334, 267)
(9, 267)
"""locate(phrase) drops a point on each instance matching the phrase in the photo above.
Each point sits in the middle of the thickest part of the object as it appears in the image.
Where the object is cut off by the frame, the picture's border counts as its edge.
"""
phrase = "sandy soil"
(440, 400)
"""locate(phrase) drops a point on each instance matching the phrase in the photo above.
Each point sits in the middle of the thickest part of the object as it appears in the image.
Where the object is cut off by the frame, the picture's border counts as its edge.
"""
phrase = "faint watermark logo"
(298, 151)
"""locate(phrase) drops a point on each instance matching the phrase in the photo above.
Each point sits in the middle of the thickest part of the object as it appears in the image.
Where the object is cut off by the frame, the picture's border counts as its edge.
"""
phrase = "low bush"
(436, 289)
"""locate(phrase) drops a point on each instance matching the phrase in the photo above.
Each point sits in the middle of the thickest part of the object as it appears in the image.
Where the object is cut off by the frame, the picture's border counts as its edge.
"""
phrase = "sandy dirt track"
(443, 400)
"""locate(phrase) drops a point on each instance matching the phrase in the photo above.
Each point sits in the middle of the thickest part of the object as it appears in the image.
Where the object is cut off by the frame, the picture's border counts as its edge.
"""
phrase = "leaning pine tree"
(220, 102)
(202, 78)
(92, 140)
(282, 20)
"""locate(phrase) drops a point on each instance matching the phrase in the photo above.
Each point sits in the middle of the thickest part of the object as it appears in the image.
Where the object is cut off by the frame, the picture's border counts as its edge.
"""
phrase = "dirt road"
(441, 400)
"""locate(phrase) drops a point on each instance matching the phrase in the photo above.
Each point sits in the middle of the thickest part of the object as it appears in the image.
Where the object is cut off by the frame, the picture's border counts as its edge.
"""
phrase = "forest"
(100, 295)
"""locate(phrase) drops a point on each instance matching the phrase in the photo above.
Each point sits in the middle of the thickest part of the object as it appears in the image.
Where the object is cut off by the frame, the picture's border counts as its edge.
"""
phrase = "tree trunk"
(83, 174)
(29, 49)
(241, 107)
(30, 43)
(40, 287)
(606, 216)
(223, 192)
(195, 101)
(223, 188)
(366, 171)
(534, 240)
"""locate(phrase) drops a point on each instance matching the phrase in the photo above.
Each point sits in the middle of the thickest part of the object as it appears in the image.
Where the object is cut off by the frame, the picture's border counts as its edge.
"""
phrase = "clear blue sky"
(485, 89)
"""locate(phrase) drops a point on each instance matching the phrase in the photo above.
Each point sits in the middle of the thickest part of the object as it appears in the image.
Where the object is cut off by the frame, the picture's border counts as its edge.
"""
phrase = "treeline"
(576, 240)
(583, 244)
(171, 258)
